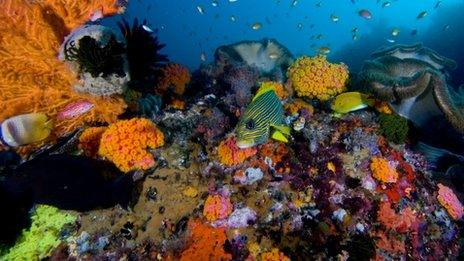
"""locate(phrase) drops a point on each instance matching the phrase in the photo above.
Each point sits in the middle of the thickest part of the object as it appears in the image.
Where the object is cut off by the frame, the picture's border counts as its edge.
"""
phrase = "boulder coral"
(315, 77)
(32, 79)
(230, 154)
(125, 143)
(382, 170)
(450, 202)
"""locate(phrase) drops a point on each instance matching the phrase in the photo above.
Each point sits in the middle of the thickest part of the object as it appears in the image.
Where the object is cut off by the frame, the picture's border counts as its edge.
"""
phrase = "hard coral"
(89, 141)
(450, 202)
(382, 171)
(125, 143)
(229, 154)
(207, 243)
(217, 207)
(315, 77)
(31, 78)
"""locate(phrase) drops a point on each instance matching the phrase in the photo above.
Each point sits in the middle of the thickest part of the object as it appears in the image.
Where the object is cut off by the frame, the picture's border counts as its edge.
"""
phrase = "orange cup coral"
(125, 143)
(206, 243)
(315, 77)
(217, 207)
(382, 171)
(450, 202)
(297, 105)
(274, 255)
(174, 77)
(89, 141)
(230, 154)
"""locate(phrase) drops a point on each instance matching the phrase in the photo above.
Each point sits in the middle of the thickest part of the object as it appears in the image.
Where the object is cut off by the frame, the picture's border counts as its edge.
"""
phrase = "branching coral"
(89, 141)
(42, 237)
(31, 78)
(125, 143)
(382, 171)
(206, 243)
(217, 207)
(394, 128)
(229, 154)
(315, 77)
(450, 202)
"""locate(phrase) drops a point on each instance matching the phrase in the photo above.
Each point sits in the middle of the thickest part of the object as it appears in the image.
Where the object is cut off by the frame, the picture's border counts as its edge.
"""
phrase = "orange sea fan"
(173, 77)
(32, 79)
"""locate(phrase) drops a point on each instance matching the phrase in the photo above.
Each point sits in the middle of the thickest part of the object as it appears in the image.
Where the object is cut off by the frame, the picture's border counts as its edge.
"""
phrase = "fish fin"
(277, 135)
(337, 115)
(263, 89)
(368, 99)
(282, 128)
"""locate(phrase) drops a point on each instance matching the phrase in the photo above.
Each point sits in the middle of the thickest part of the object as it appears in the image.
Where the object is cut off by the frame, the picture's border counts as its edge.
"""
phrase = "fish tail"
(368, 99)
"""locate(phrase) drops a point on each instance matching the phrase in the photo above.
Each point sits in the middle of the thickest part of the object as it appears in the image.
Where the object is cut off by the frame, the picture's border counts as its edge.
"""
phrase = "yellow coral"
(125, 143)
(89, 141)
(315, 77)
(274, 255)
(382, 171)
(277, 87)
(32, 79)
(229, 154)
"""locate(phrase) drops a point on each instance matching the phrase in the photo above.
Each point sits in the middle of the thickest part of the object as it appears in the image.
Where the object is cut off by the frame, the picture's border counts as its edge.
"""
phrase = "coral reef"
(229, 154)
(89, 140)
(32, 79)
(268, 56)
(412, 80)
(450, 202)
(315, 77)
(217, 207)
(125, 143)
(98, 54)
(274, 255)
(383, 171)
(394, 128)
(173, 79)
(207, 243)
(45, 234)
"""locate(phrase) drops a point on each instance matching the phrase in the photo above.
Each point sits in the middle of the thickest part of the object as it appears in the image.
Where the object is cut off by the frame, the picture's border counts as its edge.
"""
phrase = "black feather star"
(143, 54)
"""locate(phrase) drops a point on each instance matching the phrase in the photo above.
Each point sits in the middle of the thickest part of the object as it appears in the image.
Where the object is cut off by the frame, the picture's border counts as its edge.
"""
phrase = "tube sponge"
(382, 171)
(315, 77)
(125, 143)
(42, 237)
(229, 154)
(450, 202)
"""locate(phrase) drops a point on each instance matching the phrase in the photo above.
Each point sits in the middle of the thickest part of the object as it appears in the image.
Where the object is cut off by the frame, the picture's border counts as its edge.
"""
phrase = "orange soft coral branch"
(32, 79)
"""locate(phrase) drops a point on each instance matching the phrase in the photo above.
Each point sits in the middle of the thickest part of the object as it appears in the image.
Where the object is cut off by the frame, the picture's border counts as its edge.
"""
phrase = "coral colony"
(175, 185)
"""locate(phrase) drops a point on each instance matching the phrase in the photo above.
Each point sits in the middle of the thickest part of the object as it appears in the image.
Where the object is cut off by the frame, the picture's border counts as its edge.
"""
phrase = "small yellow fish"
(334, 18)
(351, 101)
(24, 129)
(256, 26)
(395, 31)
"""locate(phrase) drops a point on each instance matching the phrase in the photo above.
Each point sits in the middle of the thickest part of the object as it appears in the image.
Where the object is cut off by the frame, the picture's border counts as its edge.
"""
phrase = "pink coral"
(217, 207)
(230, 154)
(450, 202)
(401, 222)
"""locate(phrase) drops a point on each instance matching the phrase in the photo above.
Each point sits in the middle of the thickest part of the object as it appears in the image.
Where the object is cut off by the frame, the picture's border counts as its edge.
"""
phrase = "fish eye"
(250, 124)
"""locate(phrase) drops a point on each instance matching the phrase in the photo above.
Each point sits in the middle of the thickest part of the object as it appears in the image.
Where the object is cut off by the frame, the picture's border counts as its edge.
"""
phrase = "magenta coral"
(450, 202)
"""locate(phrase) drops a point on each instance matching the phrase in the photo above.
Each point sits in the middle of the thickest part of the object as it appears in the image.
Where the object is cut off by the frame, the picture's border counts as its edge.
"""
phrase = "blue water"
(187, 33)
